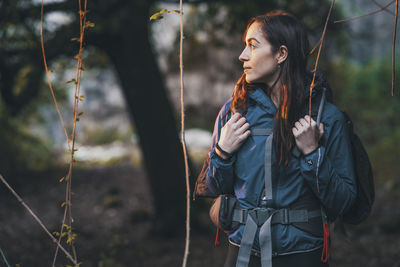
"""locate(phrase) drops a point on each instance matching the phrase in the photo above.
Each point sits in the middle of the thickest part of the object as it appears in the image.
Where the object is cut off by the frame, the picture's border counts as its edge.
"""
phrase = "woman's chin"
(249, 80)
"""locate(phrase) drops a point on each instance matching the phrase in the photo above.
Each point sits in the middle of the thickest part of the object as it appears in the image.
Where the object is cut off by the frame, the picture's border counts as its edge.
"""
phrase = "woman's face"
(260, 64)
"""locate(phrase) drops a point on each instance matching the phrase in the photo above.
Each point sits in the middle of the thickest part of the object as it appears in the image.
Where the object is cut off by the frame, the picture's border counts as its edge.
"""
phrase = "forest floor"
(112, 210)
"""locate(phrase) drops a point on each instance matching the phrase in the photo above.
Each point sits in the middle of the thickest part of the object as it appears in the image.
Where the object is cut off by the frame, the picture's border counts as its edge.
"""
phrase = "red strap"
(216, 243)
(325, 250)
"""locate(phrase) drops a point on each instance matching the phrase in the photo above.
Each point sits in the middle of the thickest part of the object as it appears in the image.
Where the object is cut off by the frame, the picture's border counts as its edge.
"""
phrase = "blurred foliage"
(20, 148)
(23, 142)
(101, 136)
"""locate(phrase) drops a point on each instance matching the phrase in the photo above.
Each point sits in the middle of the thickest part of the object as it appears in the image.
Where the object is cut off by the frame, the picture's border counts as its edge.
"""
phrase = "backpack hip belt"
(279, 216)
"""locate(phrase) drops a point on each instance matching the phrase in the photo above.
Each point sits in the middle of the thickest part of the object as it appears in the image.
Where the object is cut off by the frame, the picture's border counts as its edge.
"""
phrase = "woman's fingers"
(244, 136)
(243, 128)
(303, 122)
(239, 123)
(298, 126)
(295, 132)
(236, 116)
(235, 131)
(307, 134)
(321, 130)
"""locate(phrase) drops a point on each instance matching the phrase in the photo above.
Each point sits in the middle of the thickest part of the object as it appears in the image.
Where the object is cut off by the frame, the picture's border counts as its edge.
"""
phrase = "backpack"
(362, 206)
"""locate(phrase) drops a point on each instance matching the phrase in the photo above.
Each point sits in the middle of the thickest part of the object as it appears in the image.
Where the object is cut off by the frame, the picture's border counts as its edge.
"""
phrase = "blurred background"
(129, 189)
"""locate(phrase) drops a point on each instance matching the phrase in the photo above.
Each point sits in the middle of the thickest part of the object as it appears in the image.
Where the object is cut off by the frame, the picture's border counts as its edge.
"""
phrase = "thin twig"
(36, 218)
(65, 131)
(371, 13)
(315, 47)
(384, 8)
(186, 253)
(48, 77)
(319, 52)
(68, 193)
(394, 47)
(4, 258)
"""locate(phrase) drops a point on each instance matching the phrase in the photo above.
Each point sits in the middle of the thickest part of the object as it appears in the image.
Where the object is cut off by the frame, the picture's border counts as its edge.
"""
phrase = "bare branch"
(319, 52)
(315, 47)
(186, 252)
(381, 6)
(394, 48)
(371, 13)
(48, 78)
(36, 219)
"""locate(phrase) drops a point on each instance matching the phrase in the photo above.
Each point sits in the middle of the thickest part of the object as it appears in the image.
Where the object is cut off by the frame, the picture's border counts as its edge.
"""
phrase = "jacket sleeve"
(329, 170)
(219, 173)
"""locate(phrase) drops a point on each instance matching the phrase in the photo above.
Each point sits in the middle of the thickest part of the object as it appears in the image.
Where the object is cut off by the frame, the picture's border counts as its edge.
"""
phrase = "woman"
(261, 167)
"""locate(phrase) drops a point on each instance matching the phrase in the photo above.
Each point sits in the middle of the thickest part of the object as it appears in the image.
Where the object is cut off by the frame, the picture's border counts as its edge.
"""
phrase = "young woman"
(283, 196)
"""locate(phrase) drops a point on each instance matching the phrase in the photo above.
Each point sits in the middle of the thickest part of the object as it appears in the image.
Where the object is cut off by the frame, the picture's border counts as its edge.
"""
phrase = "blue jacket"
(244, 173)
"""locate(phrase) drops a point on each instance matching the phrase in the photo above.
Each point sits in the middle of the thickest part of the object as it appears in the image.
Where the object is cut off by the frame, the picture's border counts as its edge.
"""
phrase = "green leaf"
(81, 113)
(156, 16)
(163, 11)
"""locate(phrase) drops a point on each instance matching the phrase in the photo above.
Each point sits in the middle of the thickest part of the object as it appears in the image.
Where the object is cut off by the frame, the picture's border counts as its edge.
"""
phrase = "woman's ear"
(281, 54)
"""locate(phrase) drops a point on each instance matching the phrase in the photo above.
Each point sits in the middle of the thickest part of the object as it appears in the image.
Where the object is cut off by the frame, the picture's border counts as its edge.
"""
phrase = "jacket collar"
(260, 97)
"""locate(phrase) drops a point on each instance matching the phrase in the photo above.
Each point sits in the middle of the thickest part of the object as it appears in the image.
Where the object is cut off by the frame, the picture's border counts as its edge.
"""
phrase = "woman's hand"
(234, 133)
(307, 134)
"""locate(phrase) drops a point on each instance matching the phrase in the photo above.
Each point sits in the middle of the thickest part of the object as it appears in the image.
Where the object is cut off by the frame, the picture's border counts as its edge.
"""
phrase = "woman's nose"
(243, 56)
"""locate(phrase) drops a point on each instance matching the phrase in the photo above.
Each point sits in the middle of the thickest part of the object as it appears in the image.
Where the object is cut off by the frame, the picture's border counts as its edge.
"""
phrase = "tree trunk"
(146, 98)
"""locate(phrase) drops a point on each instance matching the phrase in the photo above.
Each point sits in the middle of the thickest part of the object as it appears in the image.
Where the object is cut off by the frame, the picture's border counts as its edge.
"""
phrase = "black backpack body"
(362, 205)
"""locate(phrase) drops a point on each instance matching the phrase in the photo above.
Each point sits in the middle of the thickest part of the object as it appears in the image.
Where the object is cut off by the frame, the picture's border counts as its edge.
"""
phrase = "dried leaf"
(89, 24)
(72, 81)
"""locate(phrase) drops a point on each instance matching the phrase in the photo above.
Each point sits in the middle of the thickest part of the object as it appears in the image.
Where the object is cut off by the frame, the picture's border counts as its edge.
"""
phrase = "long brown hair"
(280, 28)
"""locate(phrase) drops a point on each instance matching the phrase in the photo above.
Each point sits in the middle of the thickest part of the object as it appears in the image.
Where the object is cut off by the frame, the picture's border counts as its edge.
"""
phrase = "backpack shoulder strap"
(296, 152)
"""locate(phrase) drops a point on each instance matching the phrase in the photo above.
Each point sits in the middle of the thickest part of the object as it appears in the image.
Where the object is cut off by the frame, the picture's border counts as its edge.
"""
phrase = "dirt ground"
(112, 211)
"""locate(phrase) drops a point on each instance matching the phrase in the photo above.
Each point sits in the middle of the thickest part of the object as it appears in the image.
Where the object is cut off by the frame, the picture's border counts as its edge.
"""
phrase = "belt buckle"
(260, 215)
(285, 217)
